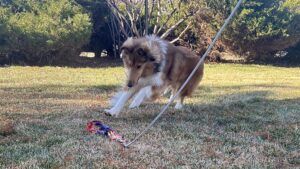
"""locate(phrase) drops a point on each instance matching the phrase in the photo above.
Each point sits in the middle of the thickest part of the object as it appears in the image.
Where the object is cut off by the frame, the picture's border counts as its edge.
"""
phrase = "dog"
(153, 65)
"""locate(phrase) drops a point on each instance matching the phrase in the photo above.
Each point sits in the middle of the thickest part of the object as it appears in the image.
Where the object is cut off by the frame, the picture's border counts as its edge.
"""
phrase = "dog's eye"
(138, 66)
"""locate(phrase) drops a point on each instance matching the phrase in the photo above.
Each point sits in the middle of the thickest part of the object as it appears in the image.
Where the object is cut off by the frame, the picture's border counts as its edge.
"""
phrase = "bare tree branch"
(118, 15)
(172, 28)
(130, 18)
(157, 17)
(151, 11)
(174, 9)
(133, 14)
(166, 22)
(182, 33)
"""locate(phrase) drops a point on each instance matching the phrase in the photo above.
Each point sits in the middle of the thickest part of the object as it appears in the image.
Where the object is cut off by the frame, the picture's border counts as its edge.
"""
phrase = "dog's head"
(137, 59)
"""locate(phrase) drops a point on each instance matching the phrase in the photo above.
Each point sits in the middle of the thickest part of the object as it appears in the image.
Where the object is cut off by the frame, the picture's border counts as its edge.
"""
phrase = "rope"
(190, 76)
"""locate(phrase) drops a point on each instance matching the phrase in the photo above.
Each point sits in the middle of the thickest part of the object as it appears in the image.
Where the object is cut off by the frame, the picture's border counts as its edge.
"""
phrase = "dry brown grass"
(241, 116)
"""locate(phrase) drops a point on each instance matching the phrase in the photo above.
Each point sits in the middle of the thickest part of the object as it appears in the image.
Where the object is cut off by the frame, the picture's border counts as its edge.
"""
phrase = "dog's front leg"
(117, 108)
(114, 100)
(123, 98)
(140, 97)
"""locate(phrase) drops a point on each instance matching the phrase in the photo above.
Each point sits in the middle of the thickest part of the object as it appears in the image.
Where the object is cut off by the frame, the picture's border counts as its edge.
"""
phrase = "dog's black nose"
(130, 84)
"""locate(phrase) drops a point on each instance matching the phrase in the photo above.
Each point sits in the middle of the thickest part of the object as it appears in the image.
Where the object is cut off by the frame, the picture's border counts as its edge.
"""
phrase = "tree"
(40, 32)
(100, 16)
(264, 27)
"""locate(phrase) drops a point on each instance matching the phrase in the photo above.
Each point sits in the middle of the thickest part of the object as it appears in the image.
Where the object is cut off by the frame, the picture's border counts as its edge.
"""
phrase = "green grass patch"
(241, 116)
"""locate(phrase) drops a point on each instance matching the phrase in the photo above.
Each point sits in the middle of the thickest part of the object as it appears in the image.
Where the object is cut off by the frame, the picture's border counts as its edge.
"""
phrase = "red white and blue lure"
(97, 127)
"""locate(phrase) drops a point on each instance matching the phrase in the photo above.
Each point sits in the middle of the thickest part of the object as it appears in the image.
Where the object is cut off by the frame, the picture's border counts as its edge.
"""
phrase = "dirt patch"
(6, 126)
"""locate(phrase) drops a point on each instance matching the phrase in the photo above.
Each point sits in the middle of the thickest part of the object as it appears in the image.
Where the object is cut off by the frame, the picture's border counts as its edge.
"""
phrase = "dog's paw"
(178, 106)
(112, 112)
(134, 105)
(106, 113)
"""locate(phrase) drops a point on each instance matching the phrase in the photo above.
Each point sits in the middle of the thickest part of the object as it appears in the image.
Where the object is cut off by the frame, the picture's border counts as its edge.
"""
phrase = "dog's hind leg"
(173, 92)
(179, 99)
(140, 97)
(179, 103)
(167, 91)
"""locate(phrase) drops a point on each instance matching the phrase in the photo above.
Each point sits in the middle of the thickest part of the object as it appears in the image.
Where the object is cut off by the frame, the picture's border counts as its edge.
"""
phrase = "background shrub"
(260, 29)
(38, 31)
(263, 28)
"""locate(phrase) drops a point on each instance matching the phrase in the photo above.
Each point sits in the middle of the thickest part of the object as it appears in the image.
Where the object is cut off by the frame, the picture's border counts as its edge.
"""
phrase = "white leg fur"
(114, 100)
(155, 80)
(140, 97)
(171, 96)
(114, 111)
(158, 80)
(167, 90)
(179, 104)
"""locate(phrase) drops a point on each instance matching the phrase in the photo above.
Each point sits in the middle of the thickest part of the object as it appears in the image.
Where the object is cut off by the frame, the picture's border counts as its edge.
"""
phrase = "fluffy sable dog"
(153, 65)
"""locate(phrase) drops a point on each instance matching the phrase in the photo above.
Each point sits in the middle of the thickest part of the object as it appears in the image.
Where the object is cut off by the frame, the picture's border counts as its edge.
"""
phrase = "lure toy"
(96, 127)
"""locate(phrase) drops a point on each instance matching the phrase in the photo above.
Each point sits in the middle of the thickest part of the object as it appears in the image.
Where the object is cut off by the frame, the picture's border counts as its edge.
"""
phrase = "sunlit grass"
(244, 116)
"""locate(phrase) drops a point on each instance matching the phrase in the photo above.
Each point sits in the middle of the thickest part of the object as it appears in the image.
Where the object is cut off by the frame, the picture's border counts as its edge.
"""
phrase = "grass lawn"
(241, 116)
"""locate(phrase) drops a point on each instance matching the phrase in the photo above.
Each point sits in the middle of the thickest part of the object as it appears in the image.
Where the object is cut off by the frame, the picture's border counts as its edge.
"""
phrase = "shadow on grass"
(225, 110)
(53, 101)
(107, 88)
(237, 87)
(91, 63)
(79, 62)
(287, 63)
(45, 89)
(241, 111)
(249, 112)
(242, 104)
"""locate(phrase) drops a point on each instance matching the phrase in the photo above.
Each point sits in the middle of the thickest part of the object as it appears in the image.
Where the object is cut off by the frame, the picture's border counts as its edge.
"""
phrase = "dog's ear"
(123, 49)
